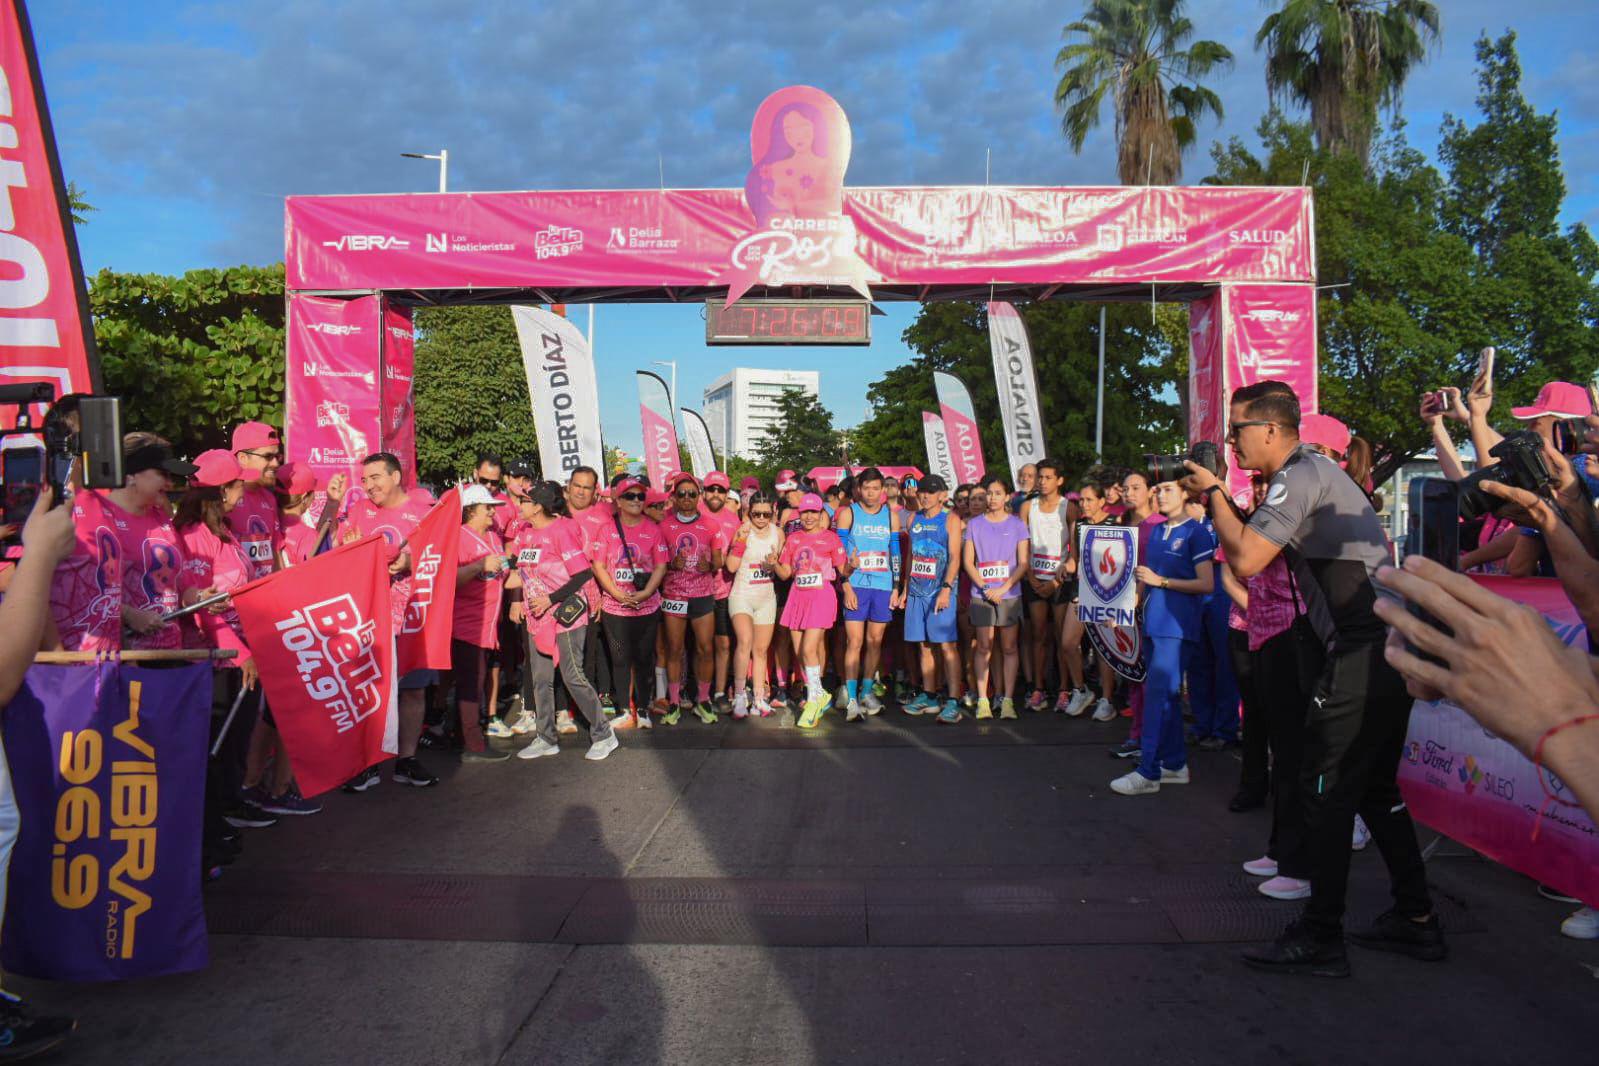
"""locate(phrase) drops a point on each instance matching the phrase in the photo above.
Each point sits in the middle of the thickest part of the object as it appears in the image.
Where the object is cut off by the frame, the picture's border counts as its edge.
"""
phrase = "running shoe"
(721, 704)
(291, 802)
(564, 722)
(24, 1034)
(984, 708)
(1362, 835)
(853, 711)
(762, 708)
(879, 690)
(625, 720)
(1288, 888)
(413, 773)
(741, 706)
(1134, 784)
(362, 781)
(1104, 712)
(969, 700)
(951, 713)
(1007, 707)
(601, 748)
(1581, 925)
(242, 815)
(1174, 777)
(497, 728)
(813, 711)
(705, 712)
(672, 716)
(870, 703)
(646, 720)
(1128, 749)
(1037, 701)
(779, 698)
(1081, 698)
(523, 723)
(538, 749)
(920, 703)
(660, 706)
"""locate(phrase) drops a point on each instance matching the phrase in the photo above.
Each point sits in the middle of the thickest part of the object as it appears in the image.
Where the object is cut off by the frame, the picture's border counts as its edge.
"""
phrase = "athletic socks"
(660, 682)
(813, 682)
(705, 692)
(674, 690)
(852, 686)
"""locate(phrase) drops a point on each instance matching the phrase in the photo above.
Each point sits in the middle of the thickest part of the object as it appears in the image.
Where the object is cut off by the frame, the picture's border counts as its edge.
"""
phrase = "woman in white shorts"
(752, 603)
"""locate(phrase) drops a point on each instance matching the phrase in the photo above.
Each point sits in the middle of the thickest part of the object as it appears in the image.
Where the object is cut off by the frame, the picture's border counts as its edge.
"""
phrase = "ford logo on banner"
(1111, 553)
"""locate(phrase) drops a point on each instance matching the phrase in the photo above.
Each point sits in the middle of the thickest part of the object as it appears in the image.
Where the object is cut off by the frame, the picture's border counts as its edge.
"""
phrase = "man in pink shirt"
(254, 521)
(713, 504)
(695, 545)
(392, 512)
(591, 519)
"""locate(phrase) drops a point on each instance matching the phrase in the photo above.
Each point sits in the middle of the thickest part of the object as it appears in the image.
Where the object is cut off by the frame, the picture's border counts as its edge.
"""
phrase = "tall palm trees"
(1345, 59)
(1136, 52)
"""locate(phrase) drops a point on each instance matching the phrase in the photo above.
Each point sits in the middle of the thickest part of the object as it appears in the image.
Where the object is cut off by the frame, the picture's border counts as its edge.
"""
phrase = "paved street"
(898, 892)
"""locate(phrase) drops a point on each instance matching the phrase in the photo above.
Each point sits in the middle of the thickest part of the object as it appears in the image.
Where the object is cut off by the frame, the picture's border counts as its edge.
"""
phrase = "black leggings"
(1255, 776)
(632, 642)
(469, 664)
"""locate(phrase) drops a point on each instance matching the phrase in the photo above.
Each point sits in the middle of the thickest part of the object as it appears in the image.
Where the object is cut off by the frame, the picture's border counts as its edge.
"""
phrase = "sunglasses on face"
(1233, 428)
(715, 488)
(760, 514)
(633, 497)
(687, 495)
(265, 457)
(489, 482)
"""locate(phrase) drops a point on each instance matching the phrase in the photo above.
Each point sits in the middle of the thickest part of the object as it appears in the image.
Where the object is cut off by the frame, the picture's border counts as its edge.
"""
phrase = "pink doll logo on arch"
(799, 149)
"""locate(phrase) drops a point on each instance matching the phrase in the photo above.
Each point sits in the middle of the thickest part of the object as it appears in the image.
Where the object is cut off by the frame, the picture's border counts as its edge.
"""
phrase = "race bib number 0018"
(993, 573)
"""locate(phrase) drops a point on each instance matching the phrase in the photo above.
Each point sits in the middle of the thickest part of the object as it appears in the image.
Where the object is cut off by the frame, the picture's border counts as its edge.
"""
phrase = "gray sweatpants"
(542, 668)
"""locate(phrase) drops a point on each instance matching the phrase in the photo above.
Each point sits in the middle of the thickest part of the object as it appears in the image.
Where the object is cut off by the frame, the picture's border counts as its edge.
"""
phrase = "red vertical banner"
(424, 625)
(45, 333)
(399, 369)
(333, 404)
(1207, 381)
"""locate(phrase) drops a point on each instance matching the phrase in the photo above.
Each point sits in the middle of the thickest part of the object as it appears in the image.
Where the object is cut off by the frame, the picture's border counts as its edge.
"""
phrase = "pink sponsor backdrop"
(696, 236)
(399, 367)
(334, 414)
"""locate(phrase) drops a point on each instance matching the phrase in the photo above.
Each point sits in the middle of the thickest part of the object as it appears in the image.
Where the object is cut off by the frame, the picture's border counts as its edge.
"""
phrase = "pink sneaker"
(1265, 866)
(1037, 701)
(1285, 888)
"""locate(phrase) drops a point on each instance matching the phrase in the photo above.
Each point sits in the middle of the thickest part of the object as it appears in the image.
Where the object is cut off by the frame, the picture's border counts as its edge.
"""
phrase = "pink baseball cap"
(653, 497)
(1324, 430)
(749, 484)
(1559, 398)
(295, 479)
(811, 502)
(625, 484)
(680, 476)
(787, 481)
(215, 467)
(719, 479)
(250, 435)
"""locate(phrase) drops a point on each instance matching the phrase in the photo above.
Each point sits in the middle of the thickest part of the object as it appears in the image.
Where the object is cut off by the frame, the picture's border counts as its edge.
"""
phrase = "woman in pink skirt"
(814, 558)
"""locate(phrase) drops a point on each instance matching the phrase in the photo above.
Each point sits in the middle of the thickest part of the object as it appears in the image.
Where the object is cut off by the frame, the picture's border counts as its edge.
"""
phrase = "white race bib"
(623, 575)
(678, 607)
(812, 580)
(993, 573)
(759, 575)
(873, 562)
(529, 556)
(924, 566)
(259, 551)
(1045, 566)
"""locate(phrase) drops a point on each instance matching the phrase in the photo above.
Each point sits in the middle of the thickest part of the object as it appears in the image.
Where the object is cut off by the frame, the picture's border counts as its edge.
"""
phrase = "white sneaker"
(522, 725)
(646, 720)
(1582, 925)
(564, 723)
(1285, 888)
(538, 749)
(1362, 835)
(1134, 784)
(763, 707)
(871, 704)
(1104, 712)
(741, 705)
(853, 711)
(1265, 866)
(496, 728)
(1174, 777)
(601, 748)
(1080, 700)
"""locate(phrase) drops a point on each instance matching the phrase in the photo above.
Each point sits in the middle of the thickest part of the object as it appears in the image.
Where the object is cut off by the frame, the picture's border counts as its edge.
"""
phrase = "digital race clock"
(789, 322)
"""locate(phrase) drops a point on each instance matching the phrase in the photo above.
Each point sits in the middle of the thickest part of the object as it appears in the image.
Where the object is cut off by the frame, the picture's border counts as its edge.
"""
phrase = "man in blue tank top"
(931, 610)
(870, 532)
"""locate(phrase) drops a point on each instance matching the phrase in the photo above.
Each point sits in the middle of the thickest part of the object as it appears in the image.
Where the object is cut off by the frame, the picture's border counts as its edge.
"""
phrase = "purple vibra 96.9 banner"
(108, 764)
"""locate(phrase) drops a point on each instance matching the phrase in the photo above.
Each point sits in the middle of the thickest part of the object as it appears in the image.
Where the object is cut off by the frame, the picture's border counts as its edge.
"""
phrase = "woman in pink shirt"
(814, 560)
(629, 558)
(474, 638)
(152, 557)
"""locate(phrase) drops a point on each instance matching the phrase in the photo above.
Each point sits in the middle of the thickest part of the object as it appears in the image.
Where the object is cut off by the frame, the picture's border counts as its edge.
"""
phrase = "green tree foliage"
(802, 437)
(1141, 413)
(1137, 53)
(470, 391)
(192, 355)
(79, 208)
(1343, 60)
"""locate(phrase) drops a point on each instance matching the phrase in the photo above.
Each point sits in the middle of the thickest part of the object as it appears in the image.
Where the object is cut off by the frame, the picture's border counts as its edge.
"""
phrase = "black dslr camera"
(86, 428)
(1170, 467)
(1521, 465)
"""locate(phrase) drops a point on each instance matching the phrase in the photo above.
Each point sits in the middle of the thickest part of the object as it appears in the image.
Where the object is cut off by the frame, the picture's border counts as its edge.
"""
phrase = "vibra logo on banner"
(554, 241)
(1108, 596)
(366, 242)
(333, 328)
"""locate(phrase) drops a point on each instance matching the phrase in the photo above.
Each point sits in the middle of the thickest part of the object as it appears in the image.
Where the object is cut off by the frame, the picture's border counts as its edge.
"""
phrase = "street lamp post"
(443, 157)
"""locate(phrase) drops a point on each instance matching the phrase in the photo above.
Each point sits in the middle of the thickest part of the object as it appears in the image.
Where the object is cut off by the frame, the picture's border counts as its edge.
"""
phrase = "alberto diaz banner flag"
(1107, 601)
(938, 458)
(960, 427)
(322, 634)
(108, 762)
(697, 435)
(1017, 387)
(566, 400)
(45, 334)
(660, 434)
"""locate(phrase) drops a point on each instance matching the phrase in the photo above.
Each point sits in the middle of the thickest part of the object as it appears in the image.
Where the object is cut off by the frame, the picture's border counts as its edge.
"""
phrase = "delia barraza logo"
(366, 242)
(555, 241)
(640, 239)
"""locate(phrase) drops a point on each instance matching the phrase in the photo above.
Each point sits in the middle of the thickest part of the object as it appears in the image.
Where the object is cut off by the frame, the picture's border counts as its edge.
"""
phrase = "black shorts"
(1062, 595)
(724, 620)
(698, 607)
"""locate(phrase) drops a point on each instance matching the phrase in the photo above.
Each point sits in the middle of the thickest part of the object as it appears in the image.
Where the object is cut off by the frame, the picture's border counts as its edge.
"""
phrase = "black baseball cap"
(520, 468)
(932, 483)
(156, 457)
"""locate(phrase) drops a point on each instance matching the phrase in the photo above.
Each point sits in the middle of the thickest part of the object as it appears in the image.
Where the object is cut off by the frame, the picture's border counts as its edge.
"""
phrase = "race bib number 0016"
(923, 566)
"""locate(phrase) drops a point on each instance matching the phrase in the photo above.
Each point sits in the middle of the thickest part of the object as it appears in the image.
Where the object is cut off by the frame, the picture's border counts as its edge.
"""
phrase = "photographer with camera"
(1359, 713)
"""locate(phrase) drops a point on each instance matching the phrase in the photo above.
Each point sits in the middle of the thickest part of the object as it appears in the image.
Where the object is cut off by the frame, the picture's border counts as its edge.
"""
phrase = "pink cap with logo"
(680, 476)
(1324, 430)
(247, 436)
(811, 502)
(625, 484)
(1559, 398)
(787, 481)
(653, 497)
(295, 479)
(717, 478)
(215, 467)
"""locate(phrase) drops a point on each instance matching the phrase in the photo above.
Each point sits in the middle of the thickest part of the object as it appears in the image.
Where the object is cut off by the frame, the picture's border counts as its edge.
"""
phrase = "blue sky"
(187, 123)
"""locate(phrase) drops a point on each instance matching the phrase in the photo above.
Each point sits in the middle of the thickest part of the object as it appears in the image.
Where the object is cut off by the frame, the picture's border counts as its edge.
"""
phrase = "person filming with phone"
(1355, 726)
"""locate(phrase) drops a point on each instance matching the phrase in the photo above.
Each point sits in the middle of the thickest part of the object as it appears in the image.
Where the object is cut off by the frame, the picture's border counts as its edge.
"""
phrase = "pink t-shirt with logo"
(86, 590)
(211, 562)
(395, 525)
(546, 558)
(816, 559)
(477, 603)
(300, 540)
(694, 541)
(254, 520)
(592, 522)
(726, 522)
(645, 550)
(152, 571)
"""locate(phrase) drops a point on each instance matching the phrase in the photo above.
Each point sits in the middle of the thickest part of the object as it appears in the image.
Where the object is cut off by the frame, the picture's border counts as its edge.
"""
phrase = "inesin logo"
(366, 242)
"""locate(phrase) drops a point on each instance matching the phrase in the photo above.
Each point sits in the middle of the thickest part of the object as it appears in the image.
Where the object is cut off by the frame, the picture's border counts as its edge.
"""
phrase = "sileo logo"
(1258, 236)
(553, 241)
(366, 242)
(334, 328)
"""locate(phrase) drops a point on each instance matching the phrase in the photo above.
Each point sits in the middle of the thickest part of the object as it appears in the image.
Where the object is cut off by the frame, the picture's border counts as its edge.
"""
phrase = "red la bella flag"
(323, 636)
(424, 627)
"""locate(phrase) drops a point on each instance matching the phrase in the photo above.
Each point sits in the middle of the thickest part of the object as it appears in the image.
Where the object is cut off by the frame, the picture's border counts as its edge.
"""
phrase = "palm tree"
(1345, 59)
(1134, 51)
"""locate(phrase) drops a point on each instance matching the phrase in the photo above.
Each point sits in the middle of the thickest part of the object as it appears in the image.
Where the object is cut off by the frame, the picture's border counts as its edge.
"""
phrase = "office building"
(739, 406)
